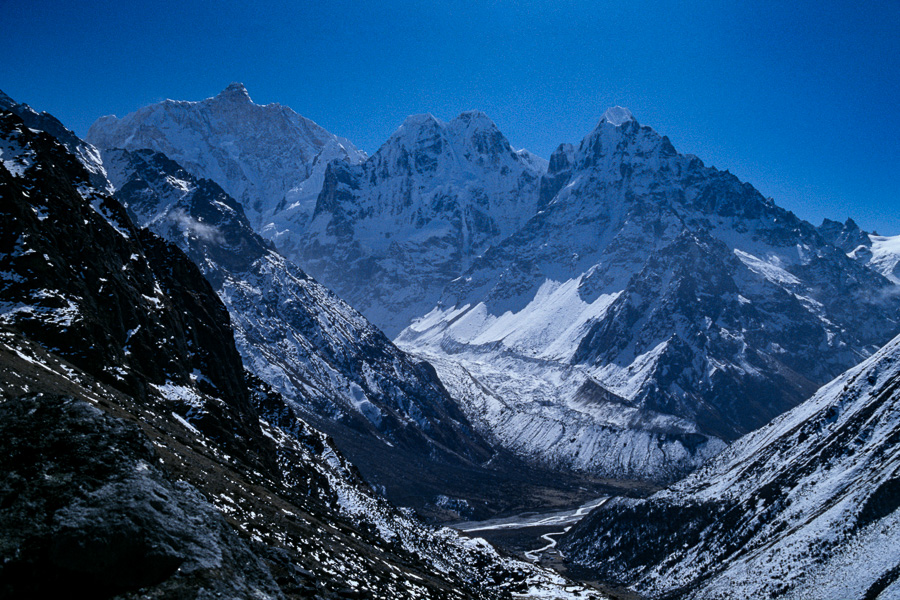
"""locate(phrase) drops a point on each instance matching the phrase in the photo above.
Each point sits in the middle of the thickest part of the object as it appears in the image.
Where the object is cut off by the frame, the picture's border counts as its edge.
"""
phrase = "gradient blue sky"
(801, 99)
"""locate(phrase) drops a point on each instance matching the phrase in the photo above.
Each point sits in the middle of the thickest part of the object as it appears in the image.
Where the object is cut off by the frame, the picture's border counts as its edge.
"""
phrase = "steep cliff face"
(388, 234)
(807, 506)
(86, 154)
(116, 301)
(692, 300)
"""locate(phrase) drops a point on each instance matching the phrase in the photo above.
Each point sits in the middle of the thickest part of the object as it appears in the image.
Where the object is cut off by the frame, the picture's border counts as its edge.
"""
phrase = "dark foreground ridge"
(139, 459)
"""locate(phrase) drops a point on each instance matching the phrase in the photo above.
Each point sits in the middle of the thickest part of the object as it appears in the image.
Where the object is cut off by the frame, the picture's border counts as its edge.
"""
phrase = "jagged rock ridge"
(694, 302)
(165, 469)
(805, 507)
(878, 252)
(269, 158)
(390, 233)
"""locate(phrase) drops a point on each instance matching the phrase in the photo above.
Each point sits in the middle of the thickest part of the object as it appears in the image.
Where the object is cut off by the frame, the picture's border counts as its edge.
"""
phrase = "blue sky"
(801, 99)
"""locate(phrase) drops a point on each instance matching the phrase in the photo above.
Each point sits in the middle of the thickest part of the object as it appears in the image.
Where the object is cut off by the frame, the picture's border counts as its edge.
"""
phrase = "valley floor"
(534, 535)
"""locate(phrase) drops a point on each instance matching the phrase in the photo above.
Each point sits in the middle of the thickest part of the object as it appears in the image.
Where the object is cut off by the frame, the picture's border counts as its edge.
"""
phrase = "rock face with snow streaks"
(269, 158)
(340, 371)
(805, 507)
(388, 234)
(689, 298)
(878, 252)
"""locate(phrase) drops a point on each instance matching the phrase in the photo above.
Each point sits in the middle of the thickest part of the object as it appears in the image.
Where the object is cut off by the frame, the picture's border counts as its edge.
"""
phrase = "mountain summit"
(269, 158)
(617, 115)
(661, 298)
(235, 92)
(409, 219)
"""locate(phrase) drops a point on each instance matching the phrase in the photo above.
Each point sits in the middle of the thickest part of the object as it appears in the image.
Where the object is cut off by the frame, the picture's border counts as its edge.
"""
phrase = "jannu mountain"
(388, 413)
(805, 507)
(269, 158)
(138, 457)
(652, 303)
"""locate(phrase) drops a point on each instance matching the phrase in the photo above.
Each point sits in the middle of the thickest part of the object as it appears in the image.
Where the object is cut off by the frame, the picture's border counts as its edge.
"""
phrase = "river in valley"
(531, 535)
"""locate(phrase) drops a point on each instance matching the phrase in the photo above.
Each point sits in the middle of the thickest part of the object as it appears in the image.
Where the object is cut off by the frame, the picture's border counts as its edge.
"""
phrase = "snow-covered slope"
(806, 507)
(138, 458)
(878, 252)
(339, 370)
(694, 303)
(269, 158)
(390, 233)
(886, 256)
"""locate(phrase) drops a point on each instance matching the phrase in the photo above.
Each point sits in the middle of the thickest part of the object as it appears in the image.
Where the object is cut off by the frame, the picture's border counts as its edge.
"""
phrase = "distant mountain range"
(622, 311)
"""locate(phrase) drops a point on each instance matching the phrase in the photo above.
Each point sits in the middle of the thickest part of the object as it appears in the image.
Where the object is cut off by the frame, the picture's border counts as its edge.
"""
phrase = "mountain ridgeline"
(139, 458)
(622, 311)
(178, 395)
(387, 412)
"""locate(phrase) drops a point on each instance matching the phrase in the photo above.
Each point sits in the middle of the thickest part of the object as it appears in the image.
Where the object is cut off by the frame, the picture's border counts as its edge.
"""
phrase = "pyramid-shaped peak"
(234, 92)
(472, 116)
(413, 121)
(617, 115)
(472, 121)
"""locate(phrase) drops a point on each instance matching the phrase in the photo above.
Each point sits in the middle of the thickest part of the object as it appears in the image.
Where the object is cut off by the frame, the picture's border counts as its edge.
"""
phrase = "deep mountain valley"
(241, 358)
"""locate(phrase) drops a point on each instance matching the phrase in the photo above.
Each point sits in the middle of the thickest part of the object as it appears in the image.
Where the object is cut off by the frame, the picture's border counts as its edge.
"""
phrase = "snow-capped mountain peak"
(235, 92)
(413, 123)
(268, 157)
(433, 197)
(469, 139)
(880, 253)
(620, 146)
(672, 286)
(617, 115)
